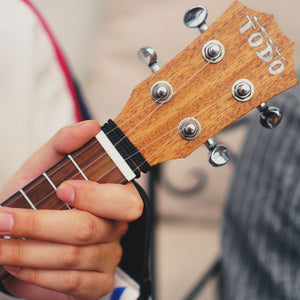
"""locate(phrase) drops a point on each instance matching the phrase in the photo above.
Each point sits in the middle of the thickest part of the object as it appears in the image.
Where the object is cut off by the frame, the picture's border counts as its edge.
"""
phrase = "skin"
(69, 254)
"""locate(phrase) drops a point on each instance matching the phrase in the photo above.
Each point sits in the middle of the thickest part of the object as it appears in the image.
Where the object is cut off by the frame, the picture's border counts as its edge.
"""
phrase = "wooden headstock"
(255, 49)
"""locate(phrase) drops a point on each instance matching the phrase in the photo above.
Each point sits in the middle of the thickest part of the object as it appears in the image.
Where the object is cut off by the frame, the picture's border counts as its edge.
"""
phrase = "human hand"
(69, 254)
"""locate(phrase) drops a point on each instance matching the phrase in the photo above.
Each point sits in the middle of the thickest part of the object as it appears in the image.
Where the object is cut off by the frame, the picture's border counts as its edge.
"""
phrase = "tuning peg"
(148, 55)
(219, 155)
(270, 116)
(196, 18)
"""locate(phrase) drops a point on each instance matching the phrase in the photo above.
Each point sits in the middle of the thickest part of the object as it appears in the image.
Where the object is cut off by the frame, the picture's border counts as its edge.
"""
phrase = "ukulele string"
(105, 154)
(143, 120)
(145, 147)
(180, 87)
(152, 112)
(103, 175)
(137, 125)
(78, 153)
(167, 142)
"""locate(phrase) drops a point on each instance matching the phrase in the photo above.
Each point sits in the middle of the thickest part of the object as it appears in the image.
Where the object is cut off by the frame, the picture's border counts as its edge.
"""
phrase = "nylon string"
(145, 147)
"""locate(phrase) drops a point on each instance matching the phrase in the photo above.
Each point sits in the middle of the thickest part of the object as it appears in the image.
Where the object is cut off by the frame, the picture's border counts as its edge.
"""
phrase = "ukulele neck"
(90, 162)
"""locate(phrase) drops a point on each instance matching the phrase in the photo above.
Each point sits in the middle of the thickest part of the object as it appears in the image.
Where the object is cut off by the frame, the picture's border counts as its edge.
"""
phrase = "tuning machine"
(196, 18)
(149, 56)
(270, 116)
(219, 155)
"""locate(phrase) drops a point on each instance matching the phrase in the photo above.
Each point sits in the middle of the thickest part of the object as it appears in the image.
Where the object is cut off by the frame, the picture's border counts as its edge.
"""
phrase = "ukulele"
(234, 66)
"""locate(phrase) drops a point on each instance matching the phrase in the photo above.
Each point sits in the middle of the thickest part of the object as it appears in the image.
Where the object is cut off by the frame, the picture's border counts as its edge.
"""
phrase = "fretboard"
(90, 162)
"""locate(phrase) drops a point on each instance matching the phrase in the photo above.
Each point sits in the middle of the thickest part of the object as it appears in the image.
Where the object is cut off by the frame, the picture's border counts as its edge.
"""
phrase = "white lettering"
(248, 25)
(256, 39)
(267, 54)
(276, 67)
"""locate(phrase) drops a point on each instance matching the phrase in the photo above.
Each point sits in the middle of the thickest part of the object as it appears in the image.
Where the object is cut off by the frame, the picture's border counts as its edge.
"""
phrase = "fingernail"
(6, 223)
(66, 193)
(12, 269)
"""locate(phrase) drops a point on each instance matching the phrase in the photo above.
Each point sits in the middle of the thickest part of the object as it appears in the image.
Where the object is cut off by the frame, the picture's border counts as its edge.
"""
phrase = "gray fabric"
(261, 228)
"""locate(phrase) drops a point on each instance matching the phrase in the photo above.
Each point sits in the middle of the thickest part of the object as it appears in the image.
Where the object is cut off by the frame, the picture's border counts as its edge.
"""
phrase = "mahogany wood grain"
(203, 90)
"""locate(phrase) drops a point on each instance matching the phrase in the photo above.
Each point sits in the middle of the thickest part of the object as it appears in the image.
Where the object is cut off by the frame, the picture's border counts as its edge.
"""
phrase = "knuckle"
(70, 255)
(7, 256)
(71, 282)
(15, 252)
(33, 276)
(32, 225)
(87, 229)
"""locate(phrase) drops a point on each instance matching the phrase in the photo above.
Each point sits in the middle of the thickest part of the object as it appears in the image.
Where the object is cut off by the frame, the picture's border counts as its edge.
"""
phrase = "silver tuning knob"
(196, 18)
(149, 56)
(219, 155)
(270, 116)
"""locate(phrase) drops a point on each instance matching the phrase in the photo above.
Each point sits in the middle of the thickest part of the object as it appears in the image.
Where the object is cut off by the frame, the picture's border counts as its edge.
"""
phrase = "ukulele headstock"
(235, 65)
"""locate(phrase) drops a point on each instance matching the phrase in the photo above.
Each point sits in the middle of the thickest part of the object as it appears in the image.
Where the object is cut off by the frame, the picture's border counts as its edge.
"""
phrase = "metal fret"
(50, 181)
(77, 167)
(27, 199)
(53, 186)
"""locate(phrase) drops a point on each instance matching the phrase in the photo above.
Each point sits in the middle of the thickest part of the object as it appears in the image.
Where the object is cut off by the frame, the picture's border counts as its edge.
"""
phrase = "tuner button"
(243, 90)
(189, 129)
(213, 51)
(270, 116)
(161, 92)
(149, 56)
(219, 155)
(196, 18)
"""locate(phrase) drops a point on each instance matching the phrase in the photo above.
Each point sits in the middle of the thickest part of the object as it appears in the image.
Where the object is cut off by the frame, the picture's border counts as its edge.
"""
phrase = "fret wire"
(27, 199)
(60, 166)
(50, 181)
(75, 154)
(77, 167)
(61, 207)
(53, 185)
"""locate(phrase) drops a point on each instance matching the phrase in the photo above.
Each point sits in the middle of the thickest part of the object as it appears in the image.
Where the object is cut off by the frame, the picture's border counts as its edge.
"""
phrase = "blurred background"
(101, 40)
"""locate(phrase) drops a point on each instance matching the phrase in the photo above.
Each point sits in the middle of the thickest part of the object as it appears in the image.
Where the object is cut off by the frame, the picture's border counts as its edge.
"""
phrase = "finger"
(44, 255)
(65, 226)
(81, 284)
(22, 289)
(112, 201)
(64, 141)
